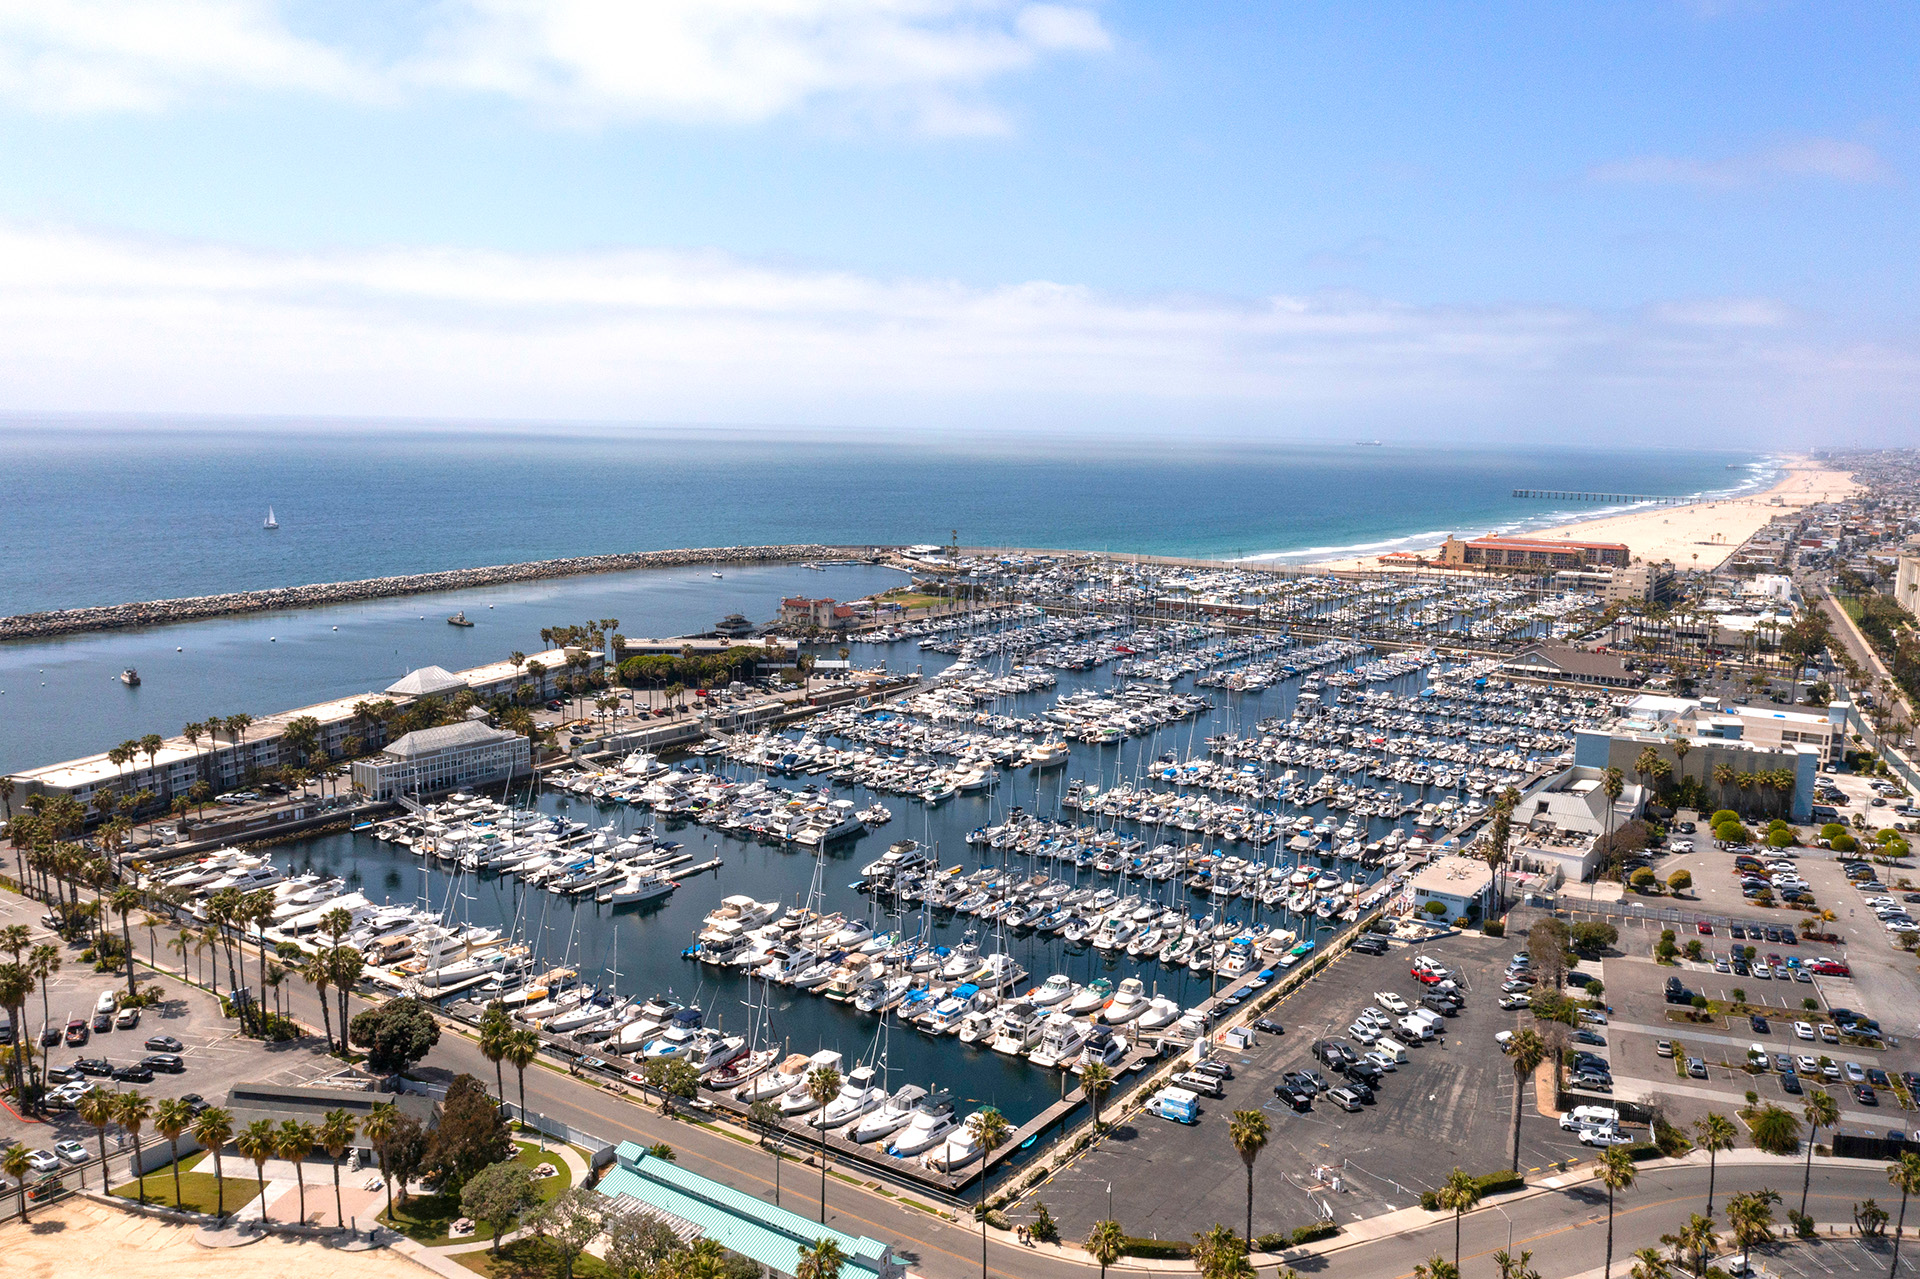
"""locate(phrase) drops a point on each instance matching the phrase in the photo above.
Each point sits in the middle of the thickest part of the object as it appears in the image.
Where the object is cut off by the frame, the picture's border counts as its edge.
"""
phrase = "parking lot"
(1449, 1104)
(214, 1058)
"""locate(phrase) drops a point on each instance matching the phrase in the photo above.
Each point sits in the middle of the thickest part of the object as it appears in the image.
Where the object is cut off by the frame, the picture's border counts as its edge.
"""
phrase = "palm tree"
(1249, 1131)
(335, 1135)
(381, 1121)
(1613, 784)
(43, 961)
(1714, 1133)
(822, 1261)
(1104, 1242)
(126, 900)
(1436, 1267)
(1512, 1267)
(133, 1110)
(1723, 775)
(295, 1141)
(1775, 1130)
(1616, 1173)
(990, 1132)
(1649, 1264)
(171, 1118)
(522, 1047)
(1096, 1080)
(97, 1108)
(317, 973)
(1905, 1175)
(1693, 1242)
(494, 1029)
(14, 1164)
(1751, 1216)
(1821, 1112)
(1527, 1050)
(259, 1142)
(1459, 1194)
(823, 1085)
(213, 1128)
(343, 965)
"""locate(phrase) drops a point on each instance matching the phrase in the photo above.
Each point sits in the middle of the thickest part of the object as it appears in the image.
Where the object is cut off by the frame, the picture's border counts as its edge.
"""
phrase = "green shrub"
(1643, 880)
(1832, 831)
(1494, 928)
(1781, 839)
(1644, 1150)
(1723, 816)
(1272, 1242)
(1318, 1230)
(998, 1220)
(1680, 880)
(1160, 1249)
(1844, 844)
(1490, 1183)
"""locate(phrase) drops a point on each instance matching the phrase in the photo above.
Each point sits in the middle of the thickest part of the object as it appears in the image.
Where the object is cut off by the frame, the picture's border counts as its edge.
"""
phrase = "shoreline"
(1698, 535)
(197, 608)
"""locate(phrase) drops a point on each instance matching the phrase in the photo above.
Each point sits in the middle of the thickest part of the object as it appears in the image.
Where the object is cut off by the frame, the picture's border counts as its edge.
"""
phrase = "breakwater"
(107, 617)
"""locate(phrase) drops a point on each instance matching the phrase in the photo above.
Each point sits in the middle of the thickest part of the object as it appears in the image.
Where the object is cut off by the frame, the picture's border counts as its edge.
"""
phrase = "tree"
(171, 1118)
(470, 1136)
(1616, 1172)
(14, 1164)
(1104, 1242)
(97, 1108)
(495, 1026)
(1512, 1267)
(823, 1085)
(1218, 1253)
(259, 1142)
(126, 900)
(822, 1261)
(990, 1132)
(1821, 1111)
(1249, 1131)
(1436, 1267)
(522, 1048)
(1775, 1130)
(1459, 1194)
(569, 1224)
(335, 1135)
(1713, 1133)
(295, 1140)
(316, 970)
(133, 1110)
(212, 1128)
(395, 1034)
(343, 966)
(383, 1122)
(498, 1194)
(1905, 1176)
(1527, 1050)
(1096, 1080)
(1693, 1243)
(1649, 1264)
(1750, 1214)
(638, 1241)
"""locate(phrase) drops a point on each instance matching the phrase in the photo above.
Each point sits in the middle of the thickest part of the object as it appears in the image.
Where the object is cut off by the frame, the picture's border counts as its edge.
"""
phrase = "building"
(798, 610)
(452, 757)
(1777, 587)
(1533, 553)
(278, 1102)
(1560, 820)
(733, 626)
(1713, 738)
(1906, 583)
(695, 1207)
(1463, 885)
(1565, 662)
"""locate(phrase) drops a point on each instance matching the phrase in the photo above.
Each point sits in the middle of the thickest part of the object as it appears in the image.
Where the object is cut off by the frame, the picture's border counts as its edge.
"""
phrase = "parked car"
(76, 1033)
(71, 1151)
(1696, 1068)
(164, 1044)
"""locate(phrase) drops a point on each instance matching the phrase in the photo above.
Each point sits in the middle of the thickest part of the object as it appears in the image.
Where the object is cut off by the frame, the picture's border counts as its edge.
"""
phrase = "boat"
(890, 1117)
(719, 574)
(1129, 1002)
(858, 1095)
(960, 1148)
(130, 677)
(1091, 998)
(1060, 1042)
(459, 619)
(270, 523)
(798, 1100)
(932, 1120)
(791, 1070)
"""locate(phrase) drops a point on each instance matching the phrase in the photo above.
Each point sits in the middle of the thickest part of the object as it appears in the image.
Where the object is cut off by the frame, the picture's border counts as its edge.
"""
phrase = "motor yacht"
(1128, 1002)
(1054, 990)
(791, 1070)
(1061, 1039)
(929, 1125)
(1019, 1030)
(1090, 998)
(959, 1149)
(889, 1117)
(797, 1100)
(858, 1095)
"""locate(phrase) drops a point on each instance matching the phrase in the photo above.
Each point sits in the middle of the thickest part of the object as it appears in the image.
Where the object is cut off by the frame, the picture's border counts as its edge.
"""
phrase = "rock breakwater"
(108, 617)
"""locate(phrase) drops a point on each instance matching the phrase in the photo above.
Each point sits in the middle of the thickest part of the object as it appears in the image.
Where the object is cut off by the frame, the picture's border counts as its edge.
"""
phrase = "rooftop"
(425, 741)
(425, 682)
(1454, 877)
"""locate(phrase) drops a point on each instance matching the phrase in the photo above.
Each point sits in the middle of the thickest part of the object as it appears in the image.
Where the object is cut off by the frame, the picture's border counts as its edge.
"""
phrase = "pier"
(1568, 495)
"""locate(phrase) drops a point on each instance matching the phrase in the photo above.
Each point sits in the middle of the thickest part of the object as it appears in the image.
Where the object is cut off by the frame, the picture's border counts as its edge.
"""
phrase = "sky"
(1667, 222)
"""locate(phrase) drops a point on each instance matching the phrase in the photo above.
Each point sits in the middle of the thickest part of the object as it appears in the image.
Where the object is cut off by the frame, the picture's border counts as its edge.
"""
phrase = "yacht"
(797, 1100)
(791, 1070)
(978, 1026)
(1129, 1002)
(1091, 998)
(889, 1117)
(1061, 1040)
(1102, 1046)
(1056, 989)
(932, 1120)
(1161, 1012)
(678, 1036)
(1019, 1029)
(959, 1149)
(858, 1095)
(711, 1050)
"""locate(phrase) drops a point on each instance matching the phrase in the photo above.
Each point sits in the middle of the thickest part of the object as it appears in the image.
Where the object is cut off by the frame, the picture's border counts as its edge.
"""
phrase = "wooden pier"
(1564, 495)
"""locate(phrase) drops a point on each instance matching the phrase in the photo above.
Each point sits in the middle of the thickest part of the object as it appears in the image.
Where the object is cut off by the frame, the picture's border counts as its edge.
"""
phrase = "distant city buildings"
(1533, 553)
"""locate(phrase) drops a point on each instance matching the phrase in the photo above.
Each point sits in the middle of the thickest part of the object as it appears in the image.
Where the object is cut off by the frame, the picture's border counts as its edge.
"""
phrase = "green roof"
(737, 1221)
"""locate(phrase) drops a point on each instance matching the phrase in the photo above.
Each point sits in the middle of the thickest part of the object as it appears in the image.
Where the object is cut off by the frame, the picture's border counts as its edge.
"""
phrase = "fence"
(600, 1149)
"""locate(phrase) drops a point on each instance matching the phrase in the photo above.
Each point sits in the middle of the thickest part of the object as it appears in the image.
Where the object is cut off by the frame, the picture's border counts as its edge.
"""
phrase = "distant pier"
(1565, 495)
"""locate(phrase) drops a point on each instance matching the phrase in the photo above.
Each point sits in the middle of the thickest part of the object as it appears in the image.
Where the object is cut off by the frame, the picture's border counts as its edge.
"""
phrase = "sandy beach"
(79, 1236)
(1702, 535)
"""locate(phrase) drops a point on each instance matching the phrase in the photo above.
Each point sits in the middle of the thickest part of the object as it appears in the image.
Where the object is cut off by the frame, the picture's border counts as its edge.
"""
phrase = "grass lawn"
(426, 1218)
(197, 1190)
(527, 1259)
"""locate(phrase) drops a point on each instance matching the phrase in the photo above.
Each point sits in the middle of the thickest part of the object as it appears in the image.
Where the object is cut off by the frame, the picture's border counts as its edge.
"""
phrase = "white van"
(1414, 1027)
(1392, 1049)
(1428, 1017)
(1590, 1117)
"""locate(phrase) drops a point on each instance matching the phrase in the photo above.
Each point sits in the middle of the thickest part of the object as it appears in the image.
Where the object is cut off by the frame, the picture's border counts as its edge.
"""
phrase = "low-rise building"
(1565, 662)
(1559, 821)
(277, 1102)
(1533, 553)
(1463, 885)
(451, 757)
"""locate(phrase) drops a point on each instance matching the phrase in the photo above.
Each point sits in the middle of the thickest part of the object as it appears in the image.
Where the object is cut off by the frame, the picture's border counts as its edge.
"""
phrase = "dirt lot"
(1449, 1104)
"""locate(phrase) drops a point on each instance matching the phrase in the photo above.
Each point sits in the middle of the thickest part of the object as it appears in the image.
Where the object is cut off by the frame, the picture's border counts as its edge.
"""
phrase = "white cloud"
(925, 64)
(91, 322)
(138, 55)
(1834, 159)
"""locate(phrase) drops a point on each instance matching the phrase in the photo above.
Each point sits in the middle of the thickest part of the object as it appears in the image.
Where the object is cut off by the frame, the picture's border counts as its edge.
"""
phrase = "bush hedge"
(1162, 1249)
(1490, 1183)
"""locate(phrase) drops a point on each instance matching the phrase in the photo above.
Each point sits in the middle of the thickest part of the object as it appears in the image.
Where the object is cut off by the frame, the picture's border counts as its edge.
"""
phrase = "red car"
(76, 1033)
(1830, 968)
(1704, 928)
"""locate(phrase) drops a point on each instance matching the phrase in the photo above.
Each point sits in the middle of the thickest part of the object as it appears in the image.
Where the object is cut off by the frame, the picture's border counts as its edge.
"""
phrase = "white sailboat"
(270, 522)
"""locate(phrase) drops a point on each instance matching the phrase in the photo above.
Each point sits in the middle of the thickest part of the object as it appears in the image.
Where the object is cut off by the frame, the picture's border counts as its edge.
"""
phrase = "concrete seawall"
(108, 617)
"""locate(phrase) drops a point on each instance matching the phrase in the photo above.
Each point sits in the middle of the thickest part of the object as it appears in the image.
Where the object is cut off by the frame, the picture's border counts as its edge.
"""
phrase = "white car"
(1604, 1137)
(1763, 972)
(1380, 1059)
(1391, 1002)
(43, 1161)
(1363, 1033)
(1511, 1002)
(1803, 1030)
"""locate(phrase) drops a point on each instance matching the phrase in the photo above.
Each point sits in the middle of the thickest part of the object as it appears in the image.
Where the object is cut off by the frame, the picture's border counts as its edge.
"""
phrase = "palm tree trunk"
(260, 1174)
(1608, 1272)
(1249, 1207)
(326, 1018)
(219, 1179)
(1518, 1084)
(175, 1142)
(522, 1071)
(299, 1171)
(1898, 1226)
(139, 1168)
(1713, 1167)
(1806, 1178)
(339, 1216)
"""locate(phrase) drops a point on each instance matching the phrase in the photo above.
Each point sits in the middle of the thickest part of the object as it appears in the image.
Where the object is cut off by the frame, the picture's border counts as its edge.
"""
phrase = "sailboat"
(270, 522)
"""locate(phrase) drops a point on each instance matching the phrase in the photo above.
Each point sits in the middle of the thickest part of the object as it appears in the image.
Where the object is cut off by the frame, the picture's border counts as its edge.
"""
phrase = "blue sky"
(1665, 221)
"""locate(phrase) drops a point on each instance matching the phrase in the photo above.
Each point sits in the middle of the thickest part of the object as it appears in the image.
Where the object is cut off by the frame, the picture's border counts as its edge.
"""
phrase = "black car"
(1588, 1037)
(194, 1102)
(134, 1074)
(1360, 1089)
(1299, 1098)
(1302, 1080)
(167, 1063)
(165, 1044)
(1865, 1095)
(49, 1035)
(1370, 946)
(1365, 1072)
(1878, 1077)
(1266, 1025)
(102, 1022)
(1759, 1025)
(1790, 1083)
(93, 1066)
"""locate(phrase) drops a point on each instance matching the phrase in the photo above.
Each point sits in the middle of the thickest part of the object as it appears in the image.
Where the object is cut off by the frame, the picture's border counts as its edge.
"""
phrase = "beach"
(1700, 535)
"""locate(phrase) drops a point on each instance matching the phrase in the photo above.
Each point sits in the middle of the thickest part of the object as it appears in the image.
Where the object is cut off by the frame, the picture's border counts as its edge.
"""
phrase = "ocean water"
(99, 513)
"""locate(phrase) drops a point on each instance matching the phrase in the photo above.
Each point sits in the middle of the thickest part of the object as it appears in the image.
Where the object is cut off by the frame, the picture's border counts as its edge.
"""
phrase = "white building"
(452, 757)
(1464, 885)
